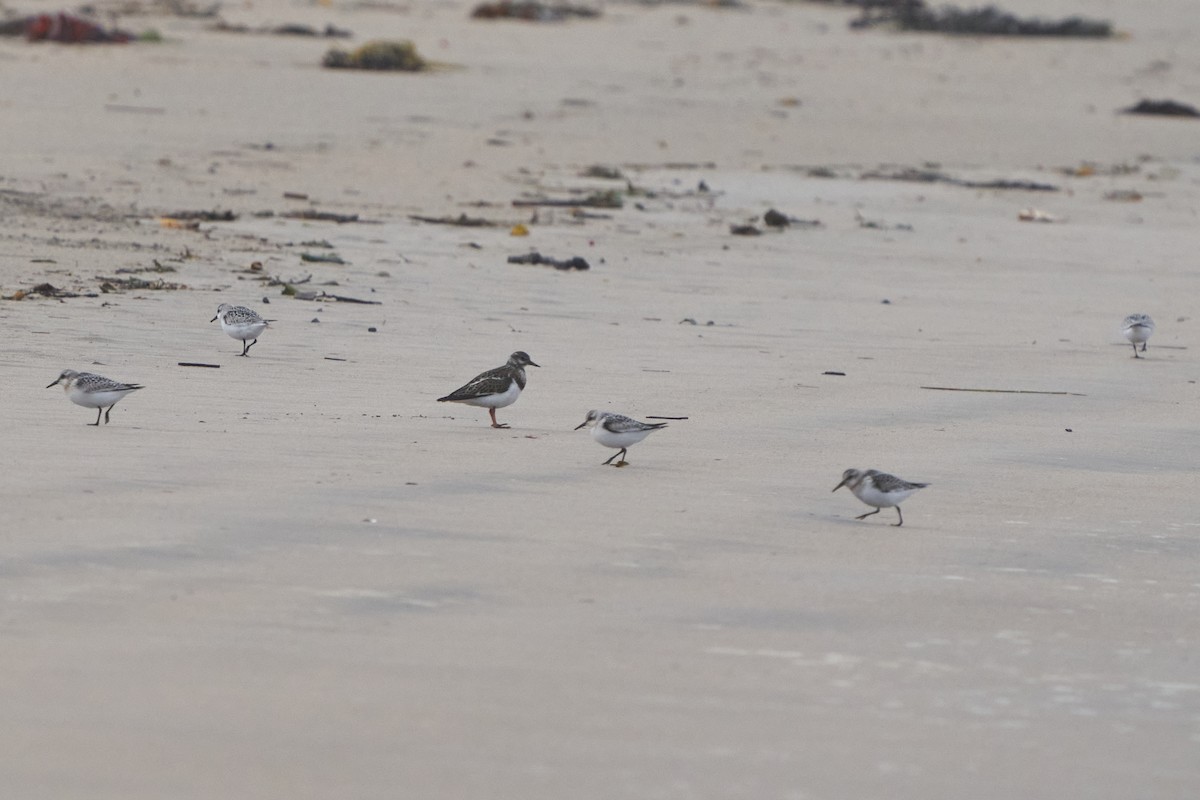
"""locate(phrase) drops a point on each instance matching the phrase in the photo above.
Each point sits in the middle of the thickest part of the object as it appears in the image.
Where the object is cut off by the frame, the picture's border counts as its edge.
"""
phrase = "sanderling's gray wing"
(89, 383)
(494, 381)
(1138, 321)
(240, 315)
(890, 483)
(619, 423)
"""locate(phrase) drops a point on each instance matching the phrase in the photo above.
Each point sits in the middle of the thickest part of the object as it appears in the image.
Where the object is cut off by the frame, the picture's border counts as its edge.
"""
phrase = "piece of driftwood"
(462, 220)
(204, 216)
(337, 297)
(320, 216)
(198, 364)
(322, 258)
(936, 176)
(1165, 108)
(575, 262)
(666, 417)
(1000, 391)
(610, 198)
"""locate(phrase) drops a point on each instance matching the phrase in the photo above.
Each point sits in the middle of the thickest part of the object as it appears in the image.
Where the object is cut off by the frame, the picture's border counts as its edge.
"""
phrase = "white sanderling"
(618, 431)
(878, 489)
(495, 388)
(93, 391)
(1137, 329)
(241, 323)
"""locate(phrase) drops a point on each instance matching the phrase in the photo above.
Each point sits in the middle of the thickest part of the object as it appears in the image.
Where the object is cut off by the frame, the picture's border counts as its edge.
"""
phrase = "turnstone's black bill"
(495, 388)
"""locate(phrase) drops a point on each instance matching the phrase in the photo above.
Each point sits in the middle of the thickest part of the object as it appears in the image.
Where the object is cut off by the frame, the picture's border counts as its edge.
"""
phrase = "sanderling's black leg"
(869, 513)
(901, 522)
(1143, 346)
(97, 422)
(620, 453)
(110, 408)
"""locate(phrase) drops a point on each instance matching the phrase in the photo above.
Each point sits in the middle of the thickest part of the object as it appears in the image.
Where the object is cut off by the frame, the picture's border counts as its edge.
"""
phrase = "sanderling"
(878, 489)
(495, 388)
(1137, 329)
(241, 323)
(618, 431)
(93, 391)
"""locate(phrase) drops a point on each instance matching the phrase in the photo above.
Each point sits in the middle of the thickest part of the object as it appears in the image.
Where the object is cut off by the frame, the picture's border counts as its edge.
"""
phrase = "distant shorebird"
(495, 388)
(241, 323)
(878, 489)
(93, 391)
(1137, 329)
(618, 431)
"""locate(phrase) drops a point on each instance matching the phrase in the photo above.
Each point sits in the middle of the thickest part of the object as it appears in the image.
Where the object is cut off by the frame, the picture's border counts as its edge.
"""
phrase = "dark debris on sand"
(401, 56)
(915, 15)
(532, 11)
(1163, 108)
(575, 262)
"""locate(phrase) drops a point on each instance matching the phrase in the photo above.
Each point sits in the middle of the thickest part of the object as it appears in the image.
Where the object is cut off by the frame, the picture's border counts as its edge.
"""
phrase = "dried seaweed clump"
(532, 11)
(915, 15)
(383, 55)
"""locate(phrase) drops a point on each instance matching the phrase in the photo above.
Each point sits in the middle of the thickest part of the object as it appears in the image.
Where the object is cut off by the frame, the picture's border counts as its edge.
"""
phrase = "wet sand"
(298, 575)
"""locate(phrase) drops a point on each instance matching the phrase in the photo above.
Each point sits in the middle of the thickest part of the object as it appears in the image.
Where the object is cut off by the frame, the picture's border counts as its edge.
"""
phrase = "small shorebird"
(617, 431)
(878, 489)
(241, 323)
(1137, 329)
(93, 391)
(495, 388)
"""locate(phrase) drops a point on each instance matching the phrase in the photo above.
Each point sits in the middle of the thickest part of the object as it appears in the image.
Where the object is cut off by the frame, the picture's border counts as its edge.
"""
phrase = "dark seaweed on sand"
(915, 15)
(378, 55)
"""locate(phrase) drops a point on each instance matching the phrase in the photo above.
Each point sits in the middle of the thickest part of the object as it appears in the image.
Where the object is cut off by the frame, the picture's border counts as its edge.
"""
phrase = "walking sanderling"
(495, 388)
(617, 431)
(241, 323)
(93, 391)
(878, 489)
(1137, 329)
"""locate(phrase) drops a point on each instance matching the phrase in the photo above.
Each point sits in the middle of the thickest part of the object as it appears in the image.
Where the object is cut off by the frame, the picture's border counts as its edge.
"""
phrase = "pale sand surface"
(294, 577)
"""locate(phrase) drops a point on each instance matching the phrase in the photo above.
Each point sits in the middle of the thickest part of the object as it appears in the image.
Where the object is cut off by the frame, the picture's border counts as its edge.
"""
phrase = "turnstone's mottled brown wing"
(494, 381)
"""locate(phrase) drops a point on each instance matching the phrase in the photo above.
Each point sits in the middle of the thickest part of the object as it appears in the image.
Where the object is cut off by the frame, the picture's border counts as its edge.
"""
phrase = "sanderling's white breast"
(495, 388)
(241, 323)
(1137, 329)
(93, 391)
(878, 489)
(618, 431)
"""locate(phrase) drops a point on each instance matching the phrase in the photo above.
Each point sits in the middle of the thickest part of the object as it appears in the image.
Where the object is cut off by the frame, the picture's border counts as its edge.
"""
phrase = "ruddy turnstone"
(1137, 329)
(93, 391)
(878, 489)
(495, 388)
(241, 323)
(618, 431)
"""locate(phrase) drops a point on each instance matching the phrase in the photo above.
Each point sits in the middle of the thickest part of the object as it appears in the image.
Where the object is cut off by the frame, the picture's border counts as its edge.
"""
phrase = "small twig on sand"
(666, 417)
(462, 220)
(1000, 391)
(198, 364)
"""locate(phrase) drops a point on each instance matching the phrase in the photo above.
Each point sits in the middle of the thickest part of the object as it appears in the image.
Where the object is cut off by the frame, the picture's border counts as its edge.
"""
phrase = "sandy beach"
(297, 575)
